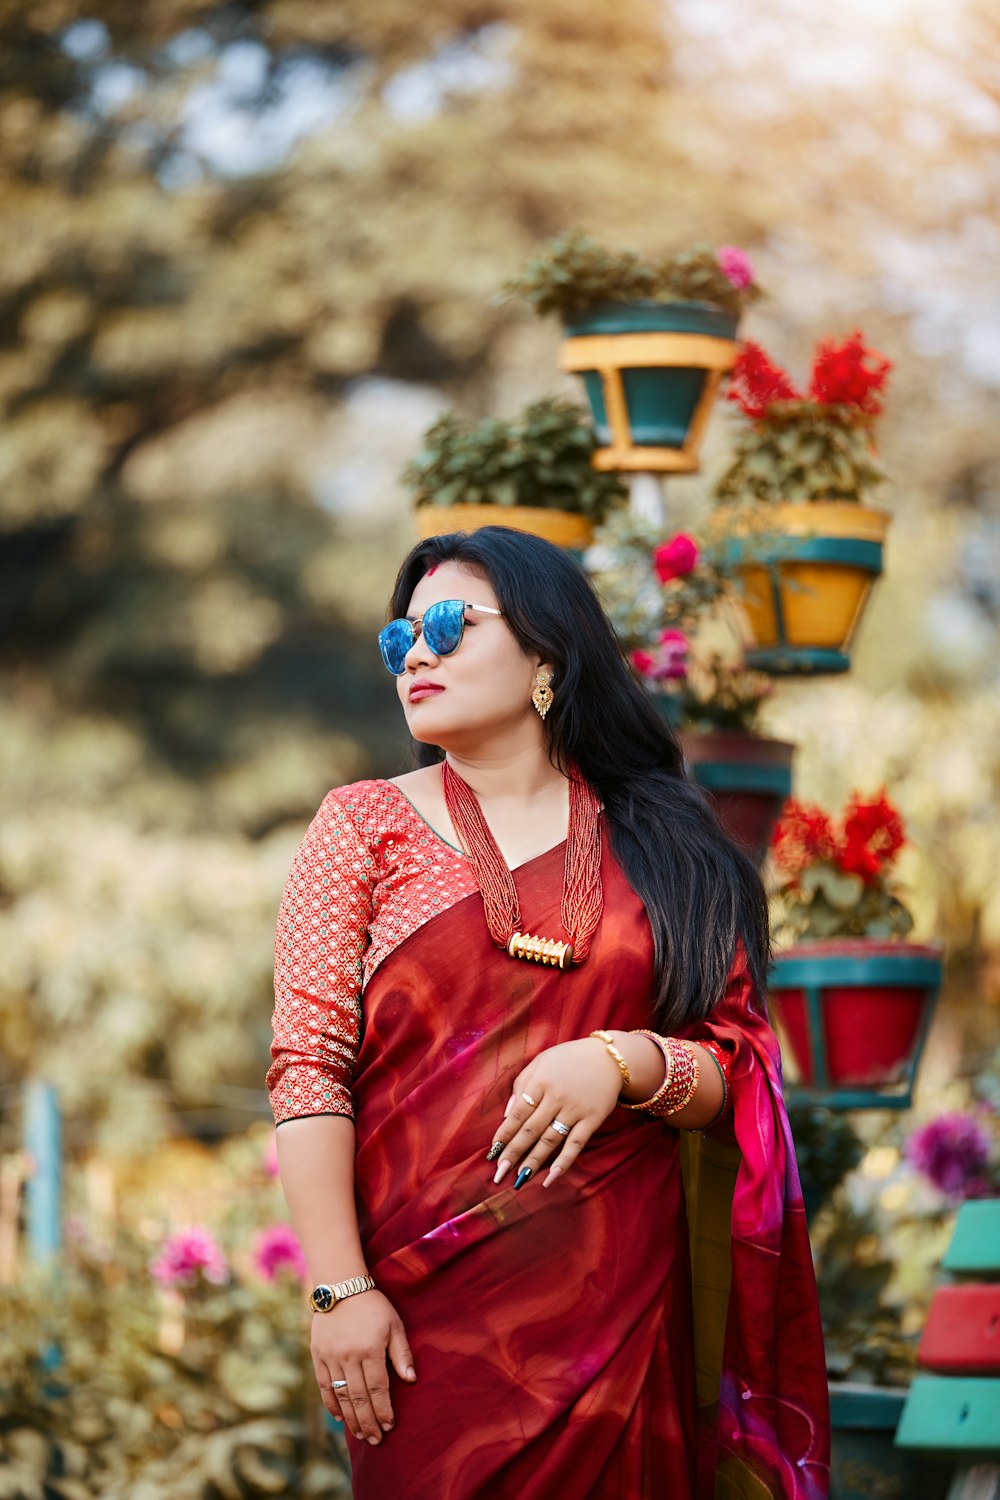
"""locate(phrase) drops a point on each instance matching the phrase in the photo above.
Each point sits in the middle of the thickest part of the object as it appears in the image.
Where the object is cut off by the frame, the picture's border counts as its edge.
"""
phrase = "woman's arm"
(577, 1085)
(321, 938)
(316, 1162)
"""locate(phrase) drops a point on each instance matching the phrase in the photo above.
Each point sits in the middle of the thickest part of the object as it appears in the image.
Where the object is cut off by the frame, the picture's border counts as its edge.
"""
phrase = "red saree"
(554, 1329)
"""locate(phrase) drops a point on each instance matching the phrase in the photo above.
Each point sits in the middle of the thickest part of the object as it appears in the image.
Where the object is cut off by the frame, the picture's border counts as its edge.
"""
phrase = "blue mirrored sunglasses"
(442, 626)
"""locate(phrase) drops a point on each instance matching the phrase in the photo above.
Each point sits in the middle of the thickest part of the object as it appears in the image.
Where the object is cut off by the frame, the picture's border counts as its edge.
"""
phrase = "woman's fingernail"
(411, 1373)
(494, 1151)
(374, 1441)
(501, 1171)
(522, 1177)
(553, 1173)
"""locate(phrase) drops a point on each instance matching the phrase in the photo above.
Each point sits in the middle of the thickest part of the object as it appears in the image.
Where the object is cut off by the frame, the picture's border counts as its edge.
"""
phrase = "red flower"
(644, 663)
(871, 837)
(803, 837)
(756, 382)
(675, 558)
(848, 374)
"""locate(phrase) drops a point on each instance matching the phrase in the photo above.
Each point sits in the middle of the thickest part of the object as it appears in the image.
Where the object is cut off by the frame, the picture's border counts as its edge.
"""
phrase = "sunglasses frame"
(415, 620)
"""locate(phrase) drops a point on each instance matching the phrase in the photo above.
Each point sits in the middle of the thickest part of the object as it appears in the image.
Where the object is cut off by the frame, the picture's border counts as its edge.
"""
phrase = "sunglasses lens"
(394, 640)
(443, 626)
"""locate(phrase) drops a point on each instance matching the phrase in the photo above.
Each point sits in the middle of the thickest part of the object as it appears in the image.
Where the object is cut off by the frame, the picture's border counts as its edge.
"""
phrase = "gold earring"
(542, 695)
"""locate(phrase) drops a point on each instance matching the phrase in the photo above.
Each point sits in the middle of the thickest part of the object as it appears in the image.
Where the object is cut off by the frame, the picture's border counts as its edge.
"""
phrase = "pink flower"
(669, 660)
(271, 1158)
(188, 1254)
(735, 266)
(673, 653)
(676, 557)
(277, 1249)
(953, 1151)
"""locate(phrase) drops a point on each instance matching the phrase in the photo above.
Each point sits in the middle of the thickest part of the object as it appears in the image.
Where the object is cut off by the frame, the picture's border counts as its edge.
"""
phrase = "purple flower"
(953, 1151)
(277, 1249)
(187, 1255)
(735, 266)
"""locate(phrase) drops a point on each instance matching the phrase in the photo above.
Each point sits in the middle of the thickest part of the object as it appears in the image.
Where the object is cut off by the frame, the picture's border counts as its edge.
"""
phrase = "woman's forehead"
(450, 580)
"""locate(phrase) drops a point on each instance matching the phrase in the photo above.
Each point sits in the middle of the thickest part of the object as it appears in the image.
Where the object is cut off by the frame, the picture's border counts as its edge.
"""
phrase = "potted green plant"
(852, 999)
(804, 469)
(532, 471)
(670, 600)
(650, 339)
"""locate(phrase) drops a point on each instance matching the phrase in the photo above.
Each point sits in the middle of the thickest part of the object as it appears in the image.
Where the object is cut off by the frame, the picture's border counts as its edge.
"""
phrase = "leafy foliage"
(541, 457)
(862, 1332)
(575, 273)
(111, 1389)
(801, 451)
(827, 1147)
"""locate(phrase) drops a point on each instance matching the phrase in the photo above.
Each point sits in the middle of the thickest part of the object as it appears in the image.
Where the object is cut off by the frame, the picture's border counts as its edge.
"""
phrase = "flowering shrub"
(836, 880)
(806, 445)
(667, 662)
(187, 1256)
(707, 691)
(665, 598)
(574, 274)
(187, 1376)
(276, 1251)
(953, 1152)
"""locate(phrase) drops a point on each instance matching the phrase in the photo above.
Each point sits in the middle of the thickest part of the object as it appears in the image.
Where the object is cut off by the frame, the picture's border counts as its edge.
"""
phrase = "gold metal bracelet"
(609, 1042)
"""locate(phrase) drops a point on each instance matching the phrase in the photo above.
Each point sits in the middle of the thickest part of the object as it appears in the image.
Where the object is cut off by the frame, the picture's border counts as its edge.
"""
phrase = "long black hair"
(700, 890)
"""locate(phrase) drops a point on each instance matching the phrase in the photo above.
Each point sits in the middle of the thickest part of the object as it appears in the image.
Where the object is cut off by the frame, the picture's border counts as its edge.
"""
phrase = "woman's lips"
(424, 690)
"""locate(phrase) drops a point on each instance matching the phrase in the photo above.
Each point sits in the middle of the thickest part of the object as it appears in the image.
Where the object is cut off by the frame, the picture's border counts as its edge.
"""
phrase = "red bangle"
(680, 1082)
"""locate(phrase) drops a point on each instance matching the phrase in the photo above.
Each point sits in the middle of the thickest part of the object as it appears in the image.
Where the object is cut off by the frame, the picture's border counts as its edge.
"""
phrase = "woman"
(483, 967)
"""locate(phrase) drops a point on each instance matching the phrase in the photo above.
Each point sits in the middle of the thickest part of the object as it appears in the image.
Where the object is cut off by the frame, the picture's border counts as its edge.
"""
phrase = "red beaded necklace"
(582, 898)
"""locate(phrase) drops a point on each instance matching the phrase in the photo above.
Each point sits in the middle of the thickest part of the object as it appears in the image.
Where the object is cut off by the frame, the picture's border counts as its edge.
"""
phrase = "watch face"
(323, 1298)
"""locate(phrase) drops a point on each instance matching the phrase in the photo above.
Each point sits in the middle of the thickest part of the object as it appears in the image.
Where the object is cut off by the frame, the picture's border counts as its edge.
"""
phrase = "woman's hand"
(575, 1084)
(350, 1343)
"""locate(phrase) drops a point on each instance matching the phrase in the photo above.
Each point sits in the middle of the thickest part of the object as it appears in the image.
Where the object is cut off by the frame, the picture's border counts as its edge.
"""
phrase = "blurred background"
(250, 252)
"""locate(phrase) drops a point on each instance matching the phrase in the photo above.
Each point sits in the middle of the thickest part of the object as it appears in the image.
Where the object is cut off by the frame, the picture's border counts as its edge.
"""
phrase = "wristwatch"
(324, 1298)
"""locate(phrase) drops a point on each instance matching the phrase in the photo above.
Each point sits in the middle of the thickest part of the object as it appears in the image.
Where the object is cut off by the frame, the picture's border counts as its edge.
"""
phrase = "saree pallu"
(564, 1351)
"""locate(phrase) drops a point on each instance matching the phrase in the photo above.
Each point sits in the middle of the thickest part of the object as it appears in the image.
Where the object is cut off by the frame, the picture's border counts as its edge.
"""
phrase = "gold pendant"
(540, 950)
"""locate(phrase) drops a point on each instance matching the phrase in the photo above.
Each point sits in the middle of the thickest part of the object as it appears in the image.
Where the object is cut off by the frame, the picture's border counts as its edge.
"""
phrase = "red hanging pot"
(853, 1014)
(748, 779)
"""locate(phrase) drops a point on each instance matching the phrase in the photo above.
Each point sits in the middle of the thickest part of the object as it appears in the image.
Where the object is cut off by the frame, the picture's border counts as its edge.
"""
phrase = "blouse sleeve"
(321, 937)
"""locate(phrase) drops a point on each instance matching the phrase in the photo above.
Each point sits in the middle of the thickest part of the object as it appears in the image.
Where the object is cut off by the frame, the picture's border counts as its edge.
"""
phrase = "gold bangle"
(609, 1042)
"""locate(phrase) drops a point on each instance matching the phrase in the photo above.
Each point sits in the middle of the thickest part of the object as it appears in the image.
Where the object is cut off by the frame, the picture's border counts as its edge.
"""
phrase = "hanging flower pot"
(851, 1000)
(651, 342)
(748, 779)
(651, 371)
(854, 1014)
(805, 542)
(562, 527)
(805, 588)
(531, 472)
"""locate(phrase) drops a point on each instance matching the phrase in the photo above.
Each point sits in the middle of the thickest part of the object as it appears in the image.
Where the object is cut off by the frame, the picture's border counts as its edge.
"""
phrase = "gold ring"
(528, 1100)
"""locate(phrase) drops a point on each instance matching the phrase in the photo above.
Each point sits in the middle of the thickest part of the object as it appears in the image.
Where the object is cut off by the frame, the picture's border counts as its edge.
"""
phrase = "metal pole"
(42, 1144)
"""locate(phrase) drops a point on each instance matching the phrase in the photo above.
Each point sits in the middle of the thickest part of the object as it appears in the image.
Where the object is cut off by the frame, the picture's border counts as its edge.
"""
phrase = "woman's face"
(480, 691)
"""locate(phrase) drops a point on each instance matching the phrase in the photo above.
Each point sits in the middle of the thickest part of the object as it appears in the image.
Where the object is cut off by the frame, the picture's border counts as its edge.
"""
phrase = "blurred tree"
(250, 251)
